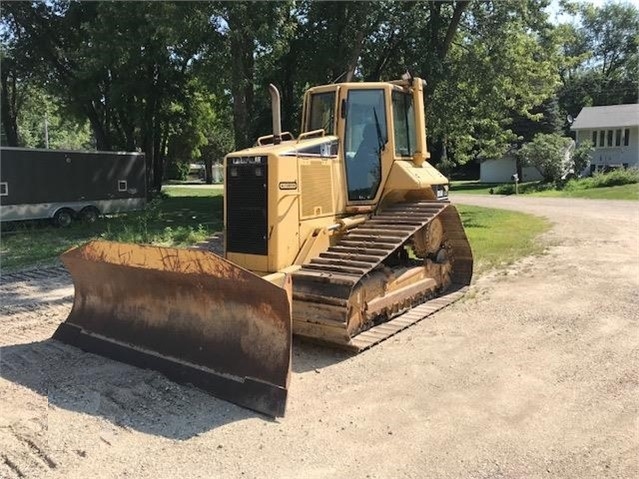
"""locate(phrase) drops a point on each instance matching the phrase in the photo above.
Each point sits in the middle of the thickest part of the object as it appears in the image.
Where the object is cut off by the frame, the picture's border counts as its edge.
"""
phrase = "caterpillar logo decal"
(288, 185)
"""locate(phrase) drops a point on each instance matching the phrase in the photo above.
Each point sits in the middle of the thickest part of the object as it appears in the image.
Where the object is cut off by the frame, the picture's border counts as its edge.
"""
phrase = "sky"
(557, 18)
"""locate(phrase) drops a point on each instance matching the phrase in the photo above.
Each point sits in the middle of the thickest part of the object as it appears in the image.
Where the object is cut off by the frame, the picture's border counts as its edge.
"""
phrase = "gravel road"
(533, 374)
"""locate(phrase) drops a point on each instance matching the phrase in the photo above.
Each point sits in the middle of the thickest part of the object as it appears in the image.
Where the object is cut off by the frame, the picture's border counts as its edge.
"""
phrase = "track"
(51, 272)
(33, 301)
(326, 290)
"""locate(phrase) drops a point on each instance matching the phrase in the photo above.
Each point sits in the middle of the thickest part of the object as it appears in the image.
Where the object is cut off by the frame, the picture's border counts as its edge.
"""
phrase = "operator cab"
(375, 124)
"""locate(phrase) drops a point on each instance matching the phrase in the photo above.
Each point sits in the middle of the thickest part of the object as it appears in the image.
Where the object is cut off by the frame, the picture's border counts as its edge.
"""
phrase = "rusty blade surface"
(188, 313)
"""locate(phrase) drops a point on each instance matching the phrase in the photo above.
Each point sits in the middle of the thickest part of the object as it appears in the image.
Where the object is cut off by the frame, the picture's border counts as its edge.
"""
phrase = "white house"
(502, 170)
(613, 131)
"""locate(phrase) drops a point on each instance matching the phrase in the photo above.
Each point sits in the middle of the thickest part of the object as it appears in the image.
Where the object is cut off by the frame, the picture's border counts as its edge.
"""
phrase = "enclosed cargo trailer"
(63, 185)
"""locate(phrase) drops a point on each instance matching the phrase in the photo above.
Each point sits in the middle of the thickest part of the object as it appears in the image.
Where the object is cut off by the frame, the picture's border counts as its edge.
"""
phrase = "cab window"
(322, 112)
(404, 124)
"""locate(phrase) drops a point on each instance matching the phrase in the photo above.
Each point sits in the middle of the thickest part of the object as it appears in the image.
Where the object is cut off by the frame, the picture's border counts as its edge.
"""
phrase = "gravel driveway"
(533, 374)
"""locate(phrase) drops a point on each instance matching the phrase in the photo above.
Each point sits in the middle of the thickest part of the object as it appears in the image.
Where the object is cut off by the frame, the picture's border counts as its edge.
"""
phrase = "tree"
(64, 130)
(122, 66)
(141, 73)
(547, 153)
(602, 51)
(500, 64)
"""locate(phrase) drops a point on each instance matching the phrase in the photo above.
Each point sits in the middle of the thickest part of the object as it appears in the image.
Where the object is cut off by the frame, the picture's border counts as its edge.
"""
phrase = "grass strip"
(185, 217)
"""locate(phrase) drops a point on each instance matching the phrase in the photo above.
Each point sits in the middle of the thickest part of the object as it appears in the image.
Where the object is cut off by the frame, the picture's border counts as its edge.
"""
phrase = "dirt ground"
(533, 374)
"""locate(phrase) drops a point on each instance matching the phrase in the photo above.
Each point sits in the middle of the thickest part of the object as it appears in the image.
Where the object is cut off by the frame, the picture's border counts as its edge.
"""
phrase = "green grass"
(472, 187)
(182, 191)
(499, 237)
(182, 218)
(616, 185)
(188, 215)
(623, 192)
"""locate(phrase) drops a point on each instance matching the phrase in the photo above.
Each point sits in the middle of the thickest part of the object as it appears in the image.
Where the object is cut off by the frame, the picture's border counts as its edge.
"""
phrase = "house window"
(594, 138)
(626, 137)
(618, 138)
(602, 138)
(609, 137)
(4, 189)
(122, 185)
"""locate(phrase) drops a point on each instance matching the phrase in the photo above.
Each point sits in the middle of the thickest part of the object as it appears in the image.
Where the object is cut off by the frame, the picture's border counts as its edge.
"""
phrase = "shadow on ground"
(131, 397)
(308, 356)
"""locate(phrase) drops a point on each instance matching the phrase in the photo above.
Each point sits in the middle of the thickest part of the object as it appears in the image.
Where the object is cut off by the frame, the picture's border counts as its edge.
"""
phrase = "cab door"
(365, 136)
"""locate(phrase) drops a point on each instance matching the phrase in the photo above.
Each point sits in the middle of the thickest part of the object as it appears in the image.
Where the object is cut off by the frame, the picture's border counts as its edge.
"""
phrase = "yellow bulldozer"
(343, 235)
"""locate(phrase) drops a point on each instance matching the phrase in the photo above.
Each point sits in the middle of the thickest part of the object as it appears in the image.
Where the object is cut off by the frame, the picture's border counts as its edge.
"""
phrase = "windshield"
(404, 124)
(322, 114)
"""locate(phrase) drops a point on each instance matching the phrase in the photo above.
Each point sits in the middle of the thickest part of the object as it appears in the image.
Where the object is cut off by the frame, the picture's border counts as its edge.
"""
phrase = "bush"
(581, 157)
(177, 170)
(600, 180)
(524, 188)
(548, 153)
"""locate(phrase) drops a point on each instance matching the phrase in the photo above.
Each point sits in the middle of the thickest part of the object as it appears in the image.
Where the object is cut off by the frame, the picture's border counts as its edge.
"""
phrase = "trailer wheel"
(63, 218)
(90, 214)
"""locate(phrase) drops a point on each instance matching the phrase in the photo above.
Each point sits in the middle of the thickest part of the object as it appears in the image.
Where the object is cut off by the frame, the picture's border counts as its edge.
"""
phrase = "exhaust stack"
(277, 118)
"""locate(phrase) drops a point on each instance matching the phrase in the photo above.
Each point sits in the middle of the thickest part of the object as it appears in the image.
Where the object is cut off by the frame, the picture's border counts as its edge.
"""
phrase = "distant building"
(613, 131)
(501, 170)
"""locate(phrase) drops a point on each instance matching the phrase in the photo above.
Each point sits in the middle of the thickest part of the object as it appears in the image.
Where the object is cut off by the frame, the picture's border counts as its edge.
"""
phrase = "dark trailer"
(63, 185)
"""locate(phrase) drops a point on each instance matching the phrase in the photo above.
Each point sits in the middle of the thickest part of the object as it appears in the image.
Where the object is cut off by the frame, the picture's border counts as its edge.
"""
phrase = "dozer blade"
(189, 314)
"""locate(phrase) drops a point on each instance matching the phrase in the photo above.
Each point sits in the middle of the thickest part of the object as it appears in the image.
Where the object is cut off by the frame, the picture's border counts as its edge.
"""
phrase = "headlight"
(441, 191)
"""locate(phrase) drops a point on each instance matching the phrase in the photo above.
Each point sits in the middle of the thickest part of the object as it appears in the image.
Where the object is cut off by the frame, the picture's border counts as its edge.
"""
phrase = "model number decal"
(288, 185)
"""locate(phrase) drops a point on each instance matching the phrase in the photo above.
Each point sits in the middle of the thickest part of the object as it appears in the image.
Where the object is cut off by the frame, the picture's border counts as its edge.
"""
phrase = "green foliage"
(547, 153)
(180, 220)
(566, 188)
(64, 130)
(599, 180)
(187, 80)
(622, 192)
(524, 188)
(177, 170)
(581, 157)
(601, 56)
(500, 69)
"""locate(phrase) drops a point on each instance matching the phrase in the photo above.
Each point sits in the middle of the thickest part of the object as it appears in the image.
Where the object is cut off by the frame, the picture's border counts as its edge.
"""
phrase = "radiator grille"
(317, 188)
(246, 208)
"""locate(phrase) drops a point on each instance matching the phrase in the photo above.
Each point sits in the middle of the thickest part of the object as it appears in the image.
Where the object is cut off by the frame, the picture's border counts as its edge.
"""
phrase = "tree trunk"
(9, 120)
(101, 138)
(520, 169)
(242, 42)
(242, 87)
(351, 65)
(208, 170)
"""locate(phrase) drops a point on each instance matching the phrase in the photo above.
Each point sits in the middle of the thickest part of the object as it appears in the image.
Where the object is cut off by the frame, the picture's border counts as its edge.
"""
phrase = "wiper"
(328, 124)
(380, 139)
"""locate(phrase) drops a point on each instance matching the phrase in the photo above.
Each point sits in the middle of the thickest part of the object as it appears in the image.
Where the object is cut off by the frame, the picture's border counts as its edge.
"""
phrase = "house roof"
(611, 116)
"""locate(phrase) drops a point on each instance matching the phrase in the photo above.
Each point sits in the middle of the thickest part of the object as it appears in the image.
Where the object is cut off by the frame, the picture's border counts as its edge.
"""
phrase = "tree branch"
(460, 7)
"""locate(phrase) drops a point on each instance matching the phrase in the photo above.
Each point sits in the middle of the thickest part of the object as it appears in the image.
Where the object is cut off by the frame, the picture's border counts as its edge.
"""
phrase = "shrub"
(524, 188)
(600, 180)
(581, 157)
(177, 170)
(548, 153)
